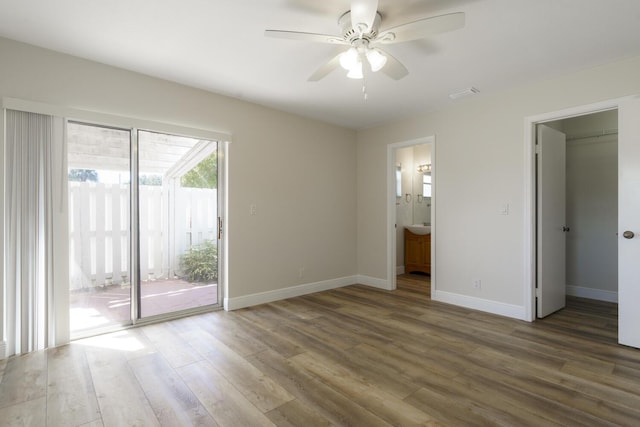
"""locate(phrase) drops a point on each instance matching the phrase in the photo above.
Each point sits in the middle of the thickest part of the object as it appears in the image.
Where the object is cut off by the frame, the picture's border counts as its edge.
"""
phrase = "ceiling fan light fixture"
(360, 33)
(356, 71)
(376, 59)
(349, 59)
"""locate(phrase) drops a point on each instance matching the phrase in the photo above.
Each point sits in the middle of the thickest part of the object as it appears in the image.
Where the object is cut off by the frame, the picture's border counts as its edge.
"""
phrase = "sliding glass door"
(99, 194)
(143, 217)
(177, 199)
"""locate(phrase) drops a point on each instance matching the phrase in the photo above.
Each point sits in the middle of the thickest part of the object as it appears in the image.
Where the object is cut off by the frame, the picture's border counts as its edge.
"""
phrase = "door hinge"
(538, 293)
(219, 228)
(537, 148)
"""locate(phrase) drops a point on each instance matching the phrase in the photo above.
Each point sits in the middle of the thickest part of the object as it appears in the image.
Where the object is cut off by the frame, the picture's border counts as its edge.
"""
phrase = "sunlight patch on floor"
(121, 340)
(87, 317)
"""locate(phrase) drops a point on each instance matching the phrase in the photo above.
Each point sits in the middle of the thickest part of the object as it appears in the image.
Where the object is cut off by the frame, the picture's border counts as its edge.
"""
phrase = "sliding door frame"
(61, 315)
(134, 238)
(220, 231)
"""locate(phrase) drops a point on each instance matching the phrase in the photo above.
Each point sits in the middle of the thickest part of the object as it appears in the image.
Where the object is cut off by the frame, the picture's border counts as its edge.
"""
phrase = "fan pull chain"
(365, 96)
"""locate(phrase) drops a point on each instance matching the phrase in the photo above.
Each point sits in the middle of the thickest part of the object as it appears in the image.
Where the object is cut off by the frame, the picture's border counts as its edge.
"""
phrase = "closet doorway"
(627, 225)
(587, 241)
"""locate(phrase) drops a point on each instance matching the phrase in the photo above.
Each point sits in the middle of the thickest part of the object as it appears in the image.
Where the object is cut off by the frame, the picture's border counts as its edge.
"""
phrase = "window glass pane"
(426, 185)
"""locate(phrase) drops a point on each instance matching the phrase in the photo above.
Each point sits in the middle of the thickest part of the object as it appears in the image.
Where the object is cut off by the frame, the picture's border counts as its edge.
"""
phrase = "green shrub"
(200, 262)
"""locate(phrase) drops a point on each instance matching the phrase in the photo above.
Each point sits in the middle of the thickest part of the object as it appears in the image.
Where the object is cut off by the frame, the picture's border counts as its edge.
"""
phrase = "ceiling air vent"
(466, 92)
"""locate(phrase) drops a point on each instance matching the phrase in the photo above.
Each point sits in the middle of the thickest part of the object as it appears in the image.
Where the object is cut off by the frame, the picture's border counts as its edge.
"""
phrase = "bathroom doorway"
(411, 201)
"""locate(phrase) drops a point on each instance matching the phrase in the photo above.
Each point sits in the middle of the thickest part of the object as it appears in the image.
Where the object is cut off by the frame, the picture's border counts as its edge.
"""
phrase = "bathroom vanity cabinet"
(417, 252)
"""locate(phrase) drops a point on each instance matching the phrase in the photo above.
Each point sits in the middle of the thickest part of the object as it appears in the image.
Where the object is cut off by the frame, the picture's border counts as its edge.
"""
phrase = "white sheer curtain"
(28, 243)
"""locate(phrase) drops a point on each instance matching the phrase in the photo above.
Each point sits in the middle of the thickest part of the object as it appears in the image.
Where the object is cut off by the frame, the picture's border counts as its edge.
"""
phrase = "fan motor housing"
(350, 35)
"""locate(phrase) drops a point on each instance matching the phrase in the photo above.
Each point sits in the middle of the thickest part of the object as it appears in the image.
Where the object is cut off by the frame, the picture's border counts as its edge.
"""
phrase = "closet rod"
(599, 134)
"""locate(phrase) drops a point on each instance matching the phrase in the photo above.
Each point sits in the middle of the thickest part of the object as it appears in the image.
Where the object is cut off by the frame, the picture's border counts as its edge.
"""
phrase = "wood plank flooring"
(353, 356)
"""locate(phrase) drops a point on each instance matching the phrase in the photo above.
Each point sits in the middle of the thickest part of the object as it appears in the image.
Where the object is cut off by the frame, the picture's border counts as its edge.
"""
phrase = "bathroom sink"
(419, 229)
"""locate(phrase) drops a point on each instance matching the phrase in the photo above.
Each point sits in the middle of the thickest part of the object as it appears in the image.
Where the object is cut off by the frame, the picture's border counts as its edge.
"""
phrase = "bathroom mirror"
(398, 180)
(422, 201)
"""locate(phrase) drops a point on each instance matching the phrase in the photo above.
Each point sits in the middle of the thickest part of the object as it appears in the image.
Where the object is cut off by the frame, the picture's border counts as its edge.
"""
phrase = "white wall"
(300, 173)
(592, 206)
(480, 167)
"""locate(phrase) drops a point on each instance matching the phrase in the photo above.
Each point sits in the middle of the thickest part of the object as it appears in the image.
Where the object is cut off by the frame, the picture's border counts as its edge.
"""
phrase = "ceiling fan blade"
(307, 37)
(422, 28)
(363, 14)
(323, 71)
(394, 68)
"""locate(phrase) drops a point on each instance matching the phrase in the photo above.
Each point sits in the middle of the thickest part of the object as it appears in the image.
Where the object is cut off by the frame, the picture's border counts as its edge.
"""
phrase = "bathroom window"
(426, 185)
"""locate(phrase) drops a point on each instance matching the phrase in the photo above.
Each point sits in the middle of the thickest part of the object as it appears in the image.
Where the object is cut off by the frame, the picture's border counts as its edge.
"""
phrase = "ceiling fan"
(360, 31)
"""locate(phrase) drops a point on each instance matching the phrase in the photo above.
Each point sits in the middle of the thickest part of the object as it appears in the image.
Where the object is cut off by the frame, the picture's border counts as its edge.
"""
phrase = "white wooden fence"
(172, 219)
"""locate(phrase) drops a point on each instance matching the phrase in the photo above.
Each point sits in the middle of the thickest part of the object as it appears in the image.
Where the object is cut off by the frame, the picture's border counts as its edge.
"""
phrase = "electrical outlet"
(300, 272)
(477, 284)
(253, 209)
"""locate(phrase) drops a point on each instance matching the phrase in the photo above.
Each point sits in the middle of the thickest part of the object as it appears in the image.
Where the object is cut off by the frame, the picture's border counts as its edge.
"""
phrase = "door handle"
(628, 234)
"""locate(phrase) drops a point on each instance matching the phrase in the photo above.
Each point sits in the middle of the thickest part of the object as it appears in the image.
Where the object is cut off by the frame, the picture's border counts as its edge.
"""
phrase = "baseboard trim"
(399, 270)
(493, 307)
(502, 309)
(597, 294)
(290, 292)
(373, 282)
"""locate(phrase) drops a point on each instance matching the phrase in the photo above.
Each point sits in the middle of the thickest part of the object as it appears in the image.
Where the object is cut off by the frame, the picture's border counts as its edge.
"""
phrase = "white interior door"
(629, 222)
(551, 226)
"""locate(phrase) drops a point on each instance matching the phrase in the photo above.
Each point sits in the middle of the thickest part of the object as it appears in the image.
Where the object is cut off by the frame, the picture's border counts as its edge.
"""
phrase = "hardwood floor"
(352, 356)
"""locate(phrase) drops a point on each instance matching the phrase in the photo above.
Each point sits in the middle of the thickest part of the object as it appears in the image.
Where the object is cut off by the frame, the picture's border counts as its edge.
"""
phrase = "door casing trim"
(529, 208)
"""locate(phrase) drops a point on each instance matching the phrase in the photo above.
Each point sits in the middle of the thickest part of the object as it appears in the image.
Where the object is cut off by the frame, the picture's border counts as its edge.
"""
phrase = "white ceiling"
(219, 46)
